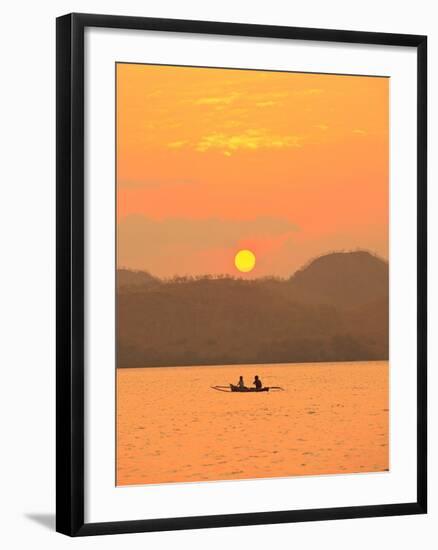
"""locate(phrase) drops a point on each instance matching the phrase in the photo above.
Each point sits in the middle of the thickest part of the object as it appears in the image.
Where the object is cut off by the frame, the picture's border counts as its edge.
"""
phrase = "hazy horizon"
(248, 276)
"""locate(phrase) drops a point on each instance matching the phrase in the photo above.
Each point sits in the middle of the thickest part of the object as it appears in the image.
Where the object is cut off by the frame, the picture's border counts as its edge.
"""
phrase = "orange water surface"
(332, 418)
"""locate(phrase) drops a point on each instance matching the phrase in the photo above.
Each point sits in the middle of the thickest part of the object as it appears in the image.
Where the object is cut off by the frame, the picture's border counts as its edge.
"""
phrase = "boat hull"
(247, 390)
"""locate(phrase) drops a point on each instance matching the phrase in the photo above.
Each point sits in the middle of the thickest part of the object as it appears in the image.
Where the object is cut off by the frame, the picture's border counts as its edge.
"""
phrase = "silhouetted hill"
(342, 278)
(334, 309)
(130, 279)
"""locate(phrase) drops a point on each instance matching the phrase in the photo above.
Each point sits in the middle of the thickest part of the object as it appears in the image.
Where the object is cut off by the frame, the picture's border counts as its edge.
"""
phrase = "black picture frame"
(70, 273)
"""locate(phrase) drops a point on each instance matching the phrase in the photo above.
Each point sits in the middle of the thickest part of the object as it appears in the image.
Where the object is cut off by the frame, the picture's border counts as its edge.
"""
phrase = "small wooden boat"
(232, 388)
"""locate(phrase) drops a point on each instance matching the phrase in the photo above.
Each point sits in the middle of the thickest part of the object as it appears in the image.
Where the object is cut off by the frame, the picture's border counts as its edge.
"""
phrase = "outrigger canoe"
(231, 388)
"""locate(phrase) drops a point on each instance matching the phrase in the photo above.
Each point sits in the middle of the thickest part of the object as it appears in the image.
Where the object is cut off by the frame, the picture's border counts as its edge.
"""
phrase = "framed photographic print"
(241, 274)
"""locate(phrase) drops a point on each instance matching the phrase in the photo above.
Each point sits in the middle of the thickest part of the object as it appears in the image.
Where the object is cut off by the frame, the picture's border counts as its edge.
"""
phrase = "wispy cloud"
(268, 103)
(218, 100)
(258, 99)
(198, 234)
(249, 140)
(177, 144)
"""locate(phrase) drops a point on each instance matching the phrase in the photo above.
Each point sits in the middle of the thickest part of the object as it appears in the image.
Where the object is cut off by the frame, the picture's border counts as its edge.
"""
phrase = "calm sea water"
(172, 427)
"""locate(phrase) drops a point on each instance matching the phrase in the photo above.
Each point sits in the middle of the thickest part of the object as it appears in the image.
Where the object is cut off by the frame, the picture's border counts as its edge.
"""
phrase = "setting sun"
(245, 261)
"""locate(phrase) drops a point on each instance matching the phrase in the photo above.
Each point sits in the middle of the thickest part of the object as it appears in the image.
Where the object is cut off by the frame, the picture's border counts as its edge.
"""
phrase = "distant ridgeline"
(334, 309)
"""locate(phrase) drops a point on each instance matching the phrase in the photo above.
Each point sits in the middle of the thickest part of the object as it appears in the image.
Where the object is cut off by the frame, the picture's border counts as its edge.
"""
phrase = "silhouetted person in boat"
(241, 383)
(257, 383)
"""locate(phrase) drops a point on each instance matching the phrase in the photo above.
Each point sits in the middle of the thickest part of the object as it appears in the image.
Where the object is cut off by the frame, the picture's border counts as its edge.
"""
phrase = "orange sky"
(213, 160)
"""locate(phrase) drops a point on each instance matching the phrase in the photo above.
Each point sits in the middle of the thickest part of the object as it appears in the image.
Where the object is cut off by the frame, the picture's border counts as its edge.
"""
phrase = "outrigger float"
(231, 388)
